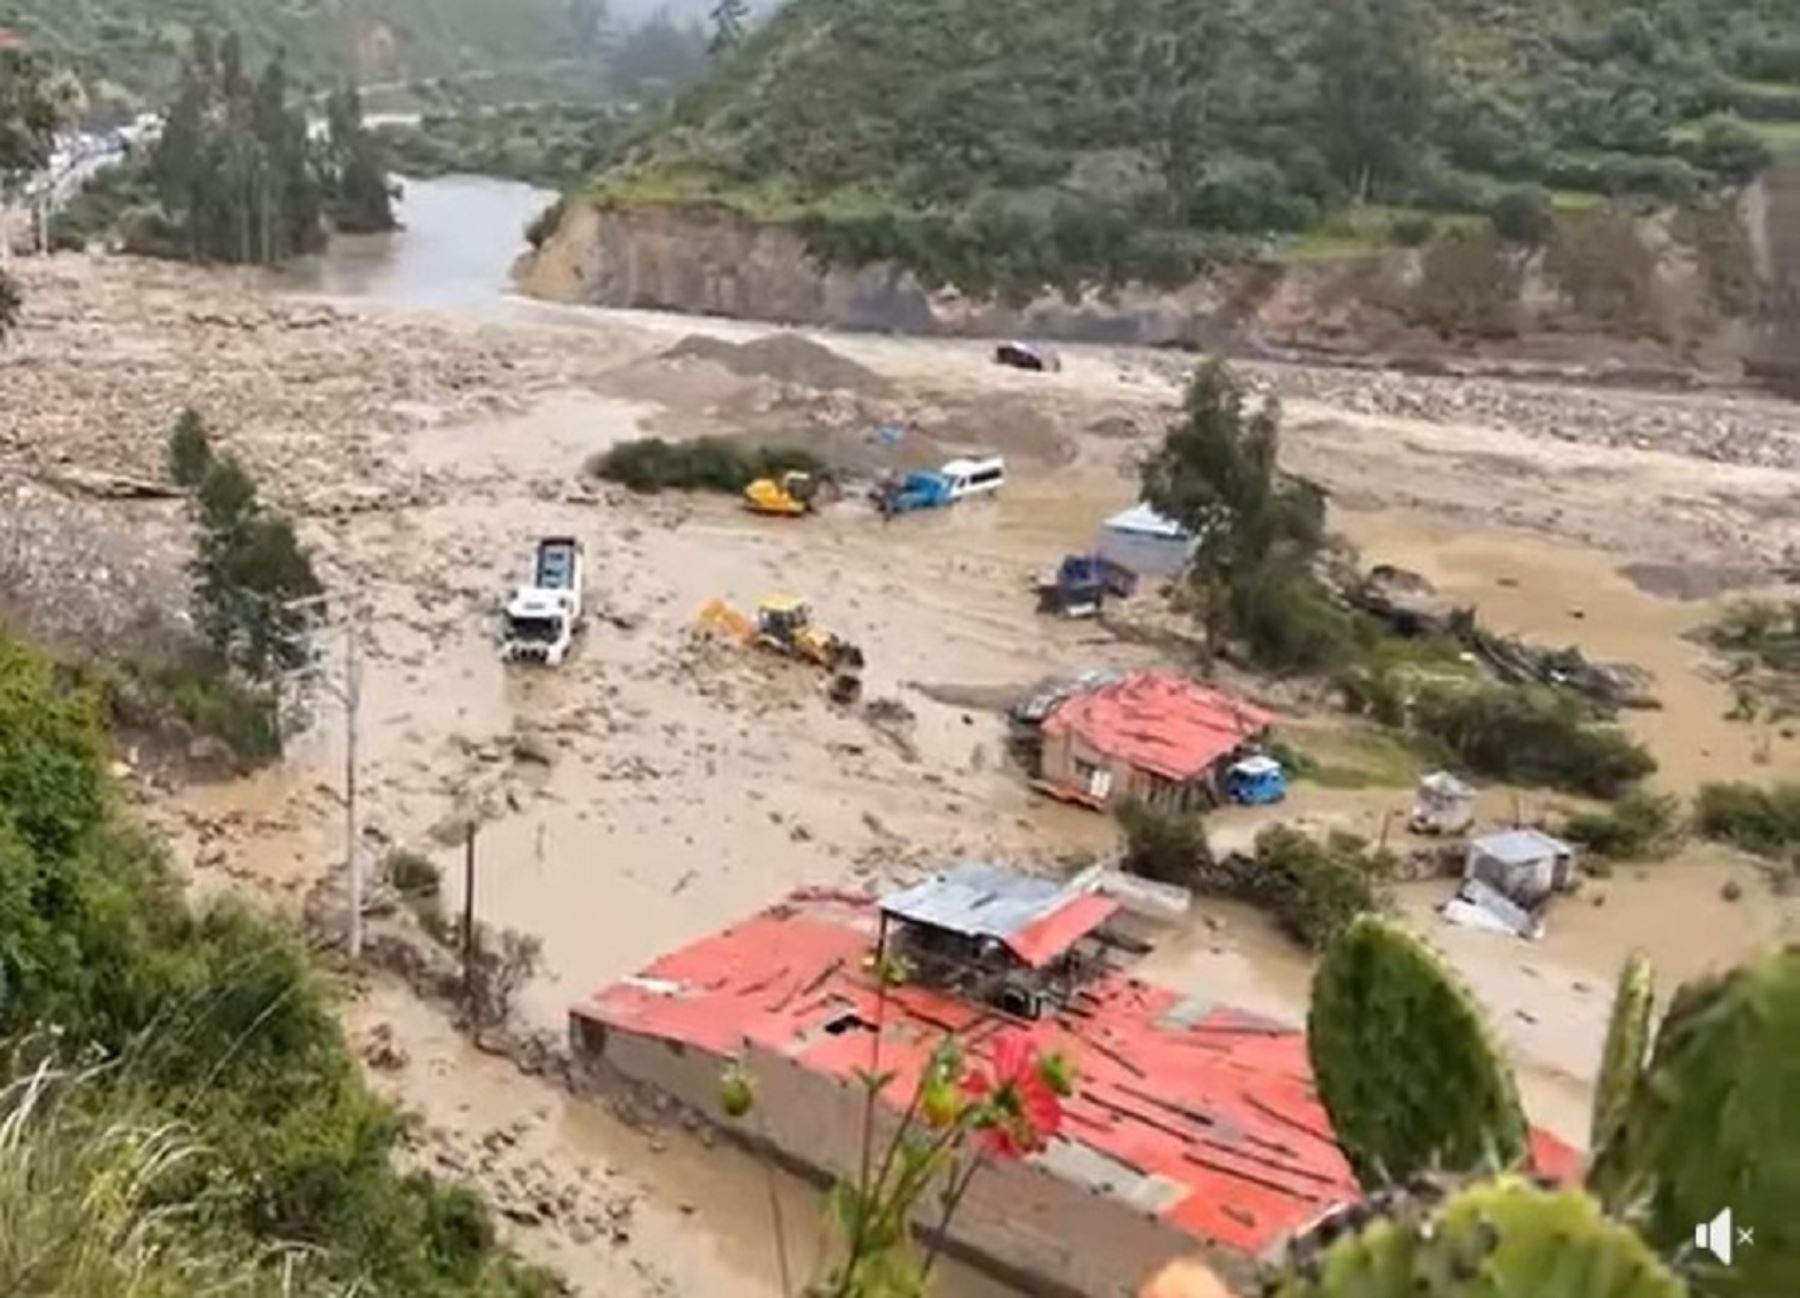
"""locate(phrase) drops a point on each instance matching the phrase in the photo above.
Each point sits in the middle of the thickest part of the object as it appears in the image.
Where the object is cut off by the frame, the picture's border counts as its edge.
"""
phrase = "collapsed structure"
(1194, 1127)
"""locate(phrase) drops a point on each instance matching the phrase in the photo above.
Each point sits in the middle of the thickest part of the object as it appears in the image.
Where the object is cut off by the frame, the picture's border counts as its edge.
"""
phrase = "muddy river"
(656, 789)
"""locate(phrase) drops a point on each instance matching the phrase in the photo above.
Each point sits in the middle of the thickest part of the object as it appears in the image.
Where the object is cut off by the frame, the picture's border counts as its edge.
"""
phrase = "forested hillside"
(139, 44)
(990, 142)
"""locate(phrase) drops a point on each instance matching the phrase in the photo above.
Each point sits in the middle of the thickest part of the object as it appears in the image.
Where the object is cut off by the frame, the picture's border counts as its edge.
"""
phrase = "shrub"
(190, 454)
(1529, 735)
(1163, 844)
(1468, 284)
(1523, 215)
(1312, 889)
(52, 753)
(1603, 267)
(1764, 821)
(1641, 824)
(543, 225)
(706, 463)
(1763, 630)
(1732, 150)
(1413, 230)
(413, 875)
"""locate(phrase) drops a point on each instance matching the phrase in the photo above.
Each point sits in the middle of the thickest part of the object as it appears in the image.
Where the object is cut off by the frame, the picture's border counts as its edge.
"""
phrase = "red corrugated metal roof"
(1159, 722)
(1042, 940)
(1217, 1103)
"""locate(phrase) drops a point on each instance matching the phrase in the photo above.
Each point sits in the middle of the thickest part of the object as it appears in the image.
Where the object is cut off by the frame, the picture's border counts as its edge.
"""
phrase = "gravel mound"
(786, 358)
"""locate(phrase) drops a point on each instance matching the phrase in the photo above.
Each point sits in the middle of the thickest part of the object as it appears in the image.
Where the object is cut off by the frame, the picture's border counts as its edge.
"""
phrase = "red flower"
(1020, 1110)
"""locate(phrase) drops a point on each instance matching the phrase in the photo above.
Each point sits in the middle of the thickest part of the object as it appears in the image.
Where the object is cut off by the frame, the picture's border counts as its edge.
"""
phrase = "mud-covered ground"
(658, 787)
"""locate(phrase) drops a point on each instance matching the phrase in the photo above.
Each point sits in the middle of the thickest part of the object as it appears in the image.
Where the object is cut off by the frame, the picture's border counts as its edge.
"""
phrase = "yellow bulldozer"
(783, 624)
(789, 496)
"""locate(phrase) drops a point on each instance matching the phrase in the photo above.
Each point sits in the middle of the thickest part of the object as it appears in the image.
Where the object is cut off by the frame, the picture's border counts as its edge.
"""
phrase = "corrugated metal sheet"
(975, 900)
(1520, 846)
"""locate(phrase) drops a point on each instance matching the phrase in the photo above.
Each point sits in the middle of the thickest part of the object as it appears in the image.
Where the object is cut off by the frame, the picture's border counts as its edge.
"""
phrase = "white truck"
(541, 619)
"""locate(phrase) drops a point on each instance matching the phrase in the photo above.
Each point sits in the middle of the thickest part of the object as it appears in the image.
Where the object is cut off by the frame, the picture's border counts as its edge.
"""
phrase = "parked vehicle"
(1256, 781)
(792, 495)
(1082, 584)
(928, 489)
(542, 618)
(1027, 356)
(976, 477)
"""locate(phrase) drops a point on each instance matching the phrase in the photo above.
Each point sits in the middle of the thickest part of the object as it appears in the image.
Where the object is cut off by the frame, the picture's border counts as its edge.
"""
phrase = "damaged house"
(1150, 736)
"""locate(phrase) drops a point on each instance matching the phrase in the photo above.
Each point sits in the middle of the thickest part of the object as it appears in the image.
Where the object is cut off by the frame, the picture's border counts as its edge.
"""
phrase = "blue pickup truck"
(1083, 584)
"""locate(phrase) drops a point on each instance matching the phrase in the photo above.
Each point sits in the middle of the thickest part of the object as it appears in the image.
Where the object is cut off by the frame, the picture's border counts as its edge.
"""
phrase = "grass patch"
(721, 464)
(1530, 735)
(1762, 821)
(1352, 757)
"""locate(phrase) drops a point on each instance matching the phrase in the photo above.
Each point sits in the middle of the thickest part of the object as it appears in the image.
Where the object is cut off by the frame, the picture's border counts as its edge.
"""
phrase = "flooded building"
(1151, 736)
(1193, 1128)
(1145, 542)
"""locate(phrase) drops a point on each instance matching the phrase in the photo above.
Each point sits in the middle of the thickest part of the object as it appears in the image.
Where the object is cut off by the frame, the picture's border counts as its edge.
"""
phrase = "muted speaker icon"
(1715, 1236)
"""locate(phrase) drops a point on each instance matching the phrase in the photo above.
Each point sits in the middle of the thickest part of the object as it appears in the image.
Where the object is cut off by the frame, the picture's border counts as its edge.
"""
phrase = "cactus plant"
(1713, 1123)
(1503, 1238)
(1627, 1045)
(1404, 1061)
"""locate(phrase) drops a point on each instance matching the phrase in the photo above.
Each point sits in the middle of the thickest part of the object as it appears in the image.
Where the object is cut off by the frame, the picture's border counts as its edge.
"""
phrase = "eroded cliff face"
(719, 264)
(1773, 215)
(714, 262)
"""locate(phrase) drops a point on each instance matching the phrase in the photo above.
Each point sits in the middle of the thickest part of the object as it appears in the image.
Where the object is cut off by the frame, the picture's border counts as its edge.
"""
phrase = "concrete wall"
(1089, 1231)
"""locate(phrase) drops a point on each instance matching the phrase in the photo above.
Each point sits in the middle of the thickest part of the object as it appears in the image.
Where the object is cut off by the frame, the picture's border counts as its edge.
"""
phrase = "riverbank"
(654, 790)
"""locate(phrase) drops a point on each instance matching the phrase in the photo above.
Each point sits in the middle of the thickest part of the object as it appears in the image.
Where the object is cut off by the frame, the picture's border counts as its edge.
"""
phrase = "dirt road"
(657, 787)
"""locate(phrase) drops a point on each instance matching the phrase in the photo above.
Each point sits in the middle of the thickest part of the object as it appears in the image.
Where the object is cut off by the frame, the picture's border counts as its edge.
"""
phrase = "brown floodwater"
(665, 788)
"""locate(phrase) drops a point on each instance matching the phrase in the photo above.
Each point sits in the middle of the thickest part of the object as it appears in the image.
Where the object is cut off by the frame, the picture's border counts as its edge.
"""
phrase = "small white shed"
(1523, 865)
(1146, 542)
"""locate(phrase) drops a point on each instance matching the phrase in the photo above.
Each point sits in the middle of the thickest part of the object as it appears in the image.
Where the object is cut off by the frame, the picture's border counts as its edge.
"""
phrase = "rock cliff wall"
(1774, 219)
(714, 262)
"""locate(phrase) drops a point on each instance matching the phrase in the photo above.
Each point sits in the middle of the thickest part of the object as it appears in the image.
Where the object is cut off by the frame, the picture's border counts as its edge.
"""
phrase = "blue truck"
(920, 489)
(1083, 583)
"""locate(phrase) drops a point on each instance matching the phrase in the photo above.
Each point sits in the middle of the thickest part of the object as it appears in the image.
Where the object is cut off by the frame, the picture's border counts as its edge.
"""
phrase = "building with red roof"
(1151, 736)
(1194, 1127)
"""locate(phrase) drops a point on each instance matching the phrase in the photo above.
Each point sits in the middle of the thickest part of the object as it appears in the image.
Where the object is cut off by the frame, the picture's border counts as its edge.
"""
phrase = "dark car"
(1024, 356)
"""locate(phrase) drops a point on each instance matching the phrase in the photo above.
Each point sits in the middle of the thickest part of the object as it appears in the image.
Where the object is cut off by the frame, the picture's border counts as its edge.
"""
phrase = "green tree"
(1256, 530)
(1404, 1061)
(32, 105)
(250, 577)
(1374, 90)
(362, 199)
(190, 450)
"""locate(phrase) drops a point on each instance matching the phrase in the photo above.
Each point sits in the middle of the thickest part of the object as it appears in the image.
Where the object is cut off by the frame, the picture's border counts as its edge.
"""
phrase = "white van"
(976, 477)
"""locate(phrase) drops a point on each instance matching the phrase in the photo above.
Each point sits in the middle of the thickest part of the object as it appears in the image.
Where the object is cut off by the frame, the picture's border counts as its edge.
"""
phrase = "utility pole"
(348, 692)
(468, 917)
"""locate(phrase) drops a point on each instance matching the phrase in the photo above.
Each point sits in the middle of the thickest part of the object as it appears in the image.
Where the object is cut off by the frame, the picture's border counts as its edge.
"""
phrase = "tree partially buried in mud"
(1258, 532)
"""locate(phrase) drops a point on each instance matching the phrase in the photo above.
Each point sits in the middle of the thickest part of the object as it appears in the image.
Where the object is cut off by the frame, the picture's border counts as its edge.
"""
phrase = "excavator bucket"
(721, 618)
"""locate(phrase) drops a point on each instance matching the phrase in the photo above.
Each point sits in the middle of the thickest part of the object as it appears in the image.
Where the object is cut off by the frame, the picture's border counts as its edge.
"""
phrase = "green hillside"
(1012, 143)
(138, 44)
